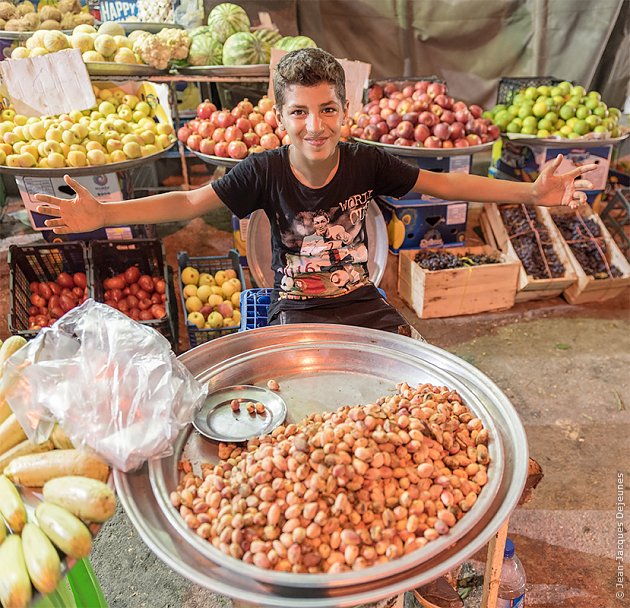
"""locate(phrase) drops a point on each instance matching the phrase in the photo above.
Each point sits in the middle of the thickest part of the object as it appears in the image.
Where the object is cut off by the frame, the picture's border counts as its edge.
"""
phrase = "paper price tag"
(48, 85)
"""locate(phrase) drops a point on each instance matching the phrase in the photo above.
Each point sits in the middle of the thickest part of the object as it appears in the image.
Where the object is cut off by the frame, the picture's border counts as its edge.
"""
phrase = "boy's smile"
(312, 117)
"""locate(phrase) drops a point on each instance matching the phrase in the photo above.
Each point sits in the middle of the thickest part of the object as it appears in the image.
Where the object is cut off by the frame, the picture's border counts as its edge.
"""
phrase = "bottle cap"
(509, 549)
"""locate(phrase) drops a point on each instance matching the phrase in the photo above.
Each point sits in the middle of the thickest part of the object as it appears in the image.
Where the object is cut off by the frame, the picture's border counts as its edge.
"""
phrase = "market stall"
(321, 466)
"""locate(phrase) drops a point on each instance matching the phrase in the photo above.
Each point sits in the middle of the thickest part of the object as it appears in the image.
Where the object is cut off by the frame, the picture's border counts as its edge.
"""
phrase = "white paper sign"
(357, 77)
(51, 84)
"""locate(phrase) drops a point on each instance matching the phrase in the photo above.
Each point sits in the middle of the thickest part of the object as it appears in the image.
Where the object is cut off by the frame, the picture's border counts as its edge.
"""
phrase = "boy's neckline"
(304, 179)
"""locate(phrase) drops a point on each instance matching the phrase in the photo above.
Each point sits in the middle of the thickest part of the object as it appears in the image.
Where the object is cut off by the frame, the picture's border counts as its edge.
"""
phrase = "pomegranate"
(225, 119)
(194, 141)
(183, 133)
(262, 128)
(255, 118)
(207, 146)
(243, 124)
(246, 106)
(206, 128)
(251, 139)
(233, 134)
(205, 109)
(219, 134)
(221, 149)
(237, 149)
(269, 141)
(265, 104)
(270, 119)
(255, 150)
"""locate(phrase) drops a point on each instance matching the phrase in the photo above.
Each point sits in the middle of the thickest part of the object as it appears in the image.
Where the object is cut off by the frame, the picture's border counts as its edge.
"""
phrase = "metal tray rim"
(427, 152)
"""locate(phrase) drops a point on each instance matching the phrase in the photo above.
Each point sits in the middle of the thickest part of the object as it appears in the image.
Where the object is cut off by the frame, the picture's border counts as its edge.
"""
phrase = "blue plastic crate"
(209, 264)
(254, 305)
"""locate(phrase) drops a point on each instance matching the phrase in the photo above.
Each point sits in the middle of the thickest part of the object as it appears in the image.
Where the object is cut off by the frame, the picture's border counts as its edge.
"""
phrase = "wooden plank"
(494, 561)
(457, 291)
(529, 288)
(586, 288)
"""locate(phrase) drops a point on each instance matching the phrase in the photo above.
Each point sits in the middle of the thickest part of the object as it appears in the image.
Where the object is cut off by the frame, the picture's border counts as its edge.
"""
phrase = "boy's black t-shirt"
(318, 235)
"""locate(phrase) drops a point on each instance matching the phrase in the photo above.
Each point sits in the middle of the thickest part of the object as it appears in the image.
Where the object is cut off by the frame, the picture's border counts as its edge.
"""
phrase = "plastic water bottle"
(512, 585)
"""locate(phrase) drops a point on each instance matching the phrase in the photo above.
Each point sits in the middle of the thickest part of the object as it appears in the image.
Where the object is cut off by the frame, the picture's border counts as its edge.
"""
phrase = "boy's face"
(312, 117)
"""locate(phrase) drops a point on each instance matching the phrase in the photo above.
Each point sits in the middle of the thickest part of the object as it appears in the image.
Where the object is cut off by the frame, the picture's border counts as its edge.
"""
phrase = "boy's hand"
(83, 213)
(552, 190)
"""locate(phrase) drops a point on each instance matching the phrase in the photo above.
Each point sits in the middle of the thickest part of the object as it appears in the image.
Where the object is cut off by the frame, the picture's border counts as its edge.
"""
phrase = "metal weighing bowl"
(258, 246)
(211, 159)
(305, 360)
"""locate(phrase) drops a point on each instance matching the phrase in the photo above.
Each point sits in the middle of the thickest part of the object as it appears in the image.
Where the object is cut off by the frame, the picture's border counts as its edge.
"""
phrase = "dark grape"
(583, 246)
(526, 245)
(444, 260)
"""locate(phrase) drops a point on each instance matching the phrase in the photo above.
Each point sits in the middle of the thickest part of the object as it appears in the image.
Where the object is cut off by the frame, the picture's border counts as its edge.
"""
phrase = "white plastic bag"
(189, 14)
(112, 384)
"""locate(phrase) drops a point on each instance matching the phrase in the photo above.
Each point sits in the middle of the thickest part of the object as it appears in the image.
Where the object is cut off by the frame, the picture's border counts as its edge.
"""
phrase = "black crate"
(39, 263)
(209, 264)
(616, 217)
(509, 86)
(401, 81)
(110, 258)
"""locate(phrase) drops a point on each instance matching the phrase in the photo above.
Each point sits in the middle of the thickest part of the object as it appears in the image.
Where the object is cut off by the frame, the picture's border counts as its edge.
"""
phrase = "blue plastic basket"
(209, 264)
(254, 305)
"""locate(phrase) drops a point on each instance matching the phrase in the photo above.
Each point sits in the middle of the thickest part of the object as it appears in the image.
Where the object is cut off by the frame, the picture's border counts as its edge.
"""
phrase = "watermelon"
(227, 19)
(268, 35)
(205, 50)
(244, 48)
(203, 29)
(294, 43)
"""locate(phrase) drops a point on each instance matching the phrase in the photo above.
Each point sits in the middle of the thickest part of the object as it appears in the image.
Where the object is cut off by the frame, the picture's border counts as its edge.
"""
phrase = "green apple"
(531, 93)
(106, 108)
(600, 129)
(525, 110)
(529, 124)
(566, 130)
(577, 91)
(593, 120)
(566, 112)
(581, 127)
(595, 95)
(542, 133)
(513, 127)
(601, 110)
(582, 112)
(545, 125)
(540, 108)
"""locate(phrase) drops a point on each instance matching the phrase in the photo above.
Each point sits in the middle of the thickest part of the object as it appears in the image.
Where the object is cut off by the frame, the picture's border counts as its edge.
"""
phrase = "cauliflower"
(177, 40)
(153, 51)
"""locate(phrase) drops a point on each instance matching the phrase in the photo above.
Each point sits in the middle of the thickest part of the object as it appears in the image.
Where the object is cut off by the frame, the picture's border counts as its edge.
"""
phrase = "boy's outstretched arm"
(548, 190)
(85, 213)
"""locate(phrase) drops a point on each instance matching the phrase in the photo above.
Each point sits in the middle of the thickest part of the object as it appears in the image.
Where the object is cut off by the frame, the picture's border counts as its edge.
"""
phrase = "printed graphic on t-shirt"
(332, 256)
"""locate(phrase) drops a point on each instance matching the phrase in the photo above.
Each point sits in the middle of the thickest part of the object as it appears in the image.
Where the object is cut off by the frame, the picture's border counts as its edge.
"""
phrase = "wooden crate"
(586, 288)
(528, 288)
(457, 291)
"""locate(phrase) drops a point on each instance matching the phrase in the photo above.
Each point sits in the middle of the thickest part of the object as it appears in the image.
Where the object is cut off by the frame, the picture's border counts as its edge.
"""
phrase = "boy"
(315, 193)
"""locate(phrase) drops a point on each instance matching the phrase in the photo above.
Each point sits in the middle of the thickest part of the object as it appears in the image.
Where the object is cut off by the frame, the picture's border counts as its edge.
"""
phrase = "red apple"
(402, 141)
(432, 142)
(375, 92)
(404, 106)
(427, 118)
(444, 100)
(205, 109)
(462, 114)
(459, 105)
(393, 120)
(436, 88)
(448, 116)
(421, 86)
(412, 117)
(382, 127)
(374, 110)
(388, 138)
(473, 139)
(237, 149)
(404, 130)
(389, 88)
(371, 133)
(457, 130)
(447, 143)
(436, 109)
(383, 103)
(385, 112)
(421, 132)
(494, 132)
(442, 130)
(207, 146)
(356, 131)
(479, 126)
(476, 110)
(408, 91)
(462, 142)
(375, 118)
(396, 95)
(363, 120)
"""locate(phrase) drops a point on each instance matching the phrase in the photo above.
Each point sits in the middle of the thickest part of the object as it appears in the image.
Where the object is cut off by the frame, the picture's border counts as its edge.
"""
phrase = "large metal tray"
(256, 70)
(220, 161)
(427, 152)
(10, 35)
(152, 28)
(110, 68)
(555, 142)
(305, 359)
(91, 170)
(258, 246)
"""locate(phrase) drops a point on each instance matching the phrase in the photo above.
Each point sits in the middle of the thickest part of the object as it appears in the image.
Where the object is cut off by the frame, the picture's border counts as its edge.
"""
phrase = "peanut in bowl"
(342, 491)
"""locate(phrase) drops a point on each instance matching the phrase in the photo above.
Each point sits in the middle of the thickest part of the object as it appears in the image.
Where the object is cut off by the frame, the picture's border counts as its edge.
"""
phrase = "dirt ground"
(565, 369)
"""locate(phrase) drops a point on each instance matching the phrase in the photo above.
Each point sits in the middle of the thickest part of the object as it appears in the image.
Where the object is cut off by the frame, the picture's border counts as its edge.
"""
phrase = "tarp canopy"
(470, 43)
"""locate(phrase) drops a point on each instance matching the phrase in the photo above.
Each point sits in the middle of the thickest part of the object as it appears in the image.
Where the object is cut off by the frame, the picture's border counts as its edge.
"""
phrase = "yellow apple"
(76, 158)
(190, 290)
(117, 156)
(190, 276)
(206, 279)
(215, 300)
(96, 157)
(219, 277)
(193, 304)
(132, 150)
(196, 318)
(236, 299)
(55, 160)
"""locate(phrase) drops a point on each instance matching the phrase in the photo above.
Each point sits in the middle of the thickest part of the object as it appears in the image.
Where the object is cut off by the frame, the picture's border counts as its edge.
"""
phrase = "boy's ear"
(278, 114)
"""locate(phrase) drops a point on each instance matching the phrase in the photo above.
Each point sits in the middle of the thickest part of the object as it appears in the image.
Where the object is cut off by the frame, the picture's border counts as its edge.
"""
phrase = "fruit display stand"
(209, 265)
(457, 291)
(606, 253)
(616, 217)
(529, 287)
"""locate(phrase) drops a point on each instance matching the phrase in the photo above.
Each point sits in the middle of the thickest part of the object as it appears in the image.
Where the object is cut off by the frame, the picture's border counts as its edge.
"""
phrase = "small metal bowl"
(216, 420)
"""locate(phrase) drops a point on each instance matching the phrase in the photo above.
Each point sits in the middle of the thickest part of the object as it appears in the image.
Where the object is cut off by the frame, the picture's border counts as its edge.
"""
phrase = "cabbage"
(205, 50)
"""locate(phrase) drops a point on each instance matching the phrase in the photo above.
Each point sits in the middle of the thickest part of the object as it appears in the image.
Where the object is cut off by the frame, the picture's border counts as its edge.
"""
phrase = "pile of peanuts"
(342, 490)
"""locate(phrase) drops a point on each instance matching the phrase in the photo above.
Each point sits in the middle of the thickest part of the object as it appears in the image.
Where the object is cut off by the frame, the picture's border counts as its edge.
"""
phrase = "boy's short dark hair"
(307, 68)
